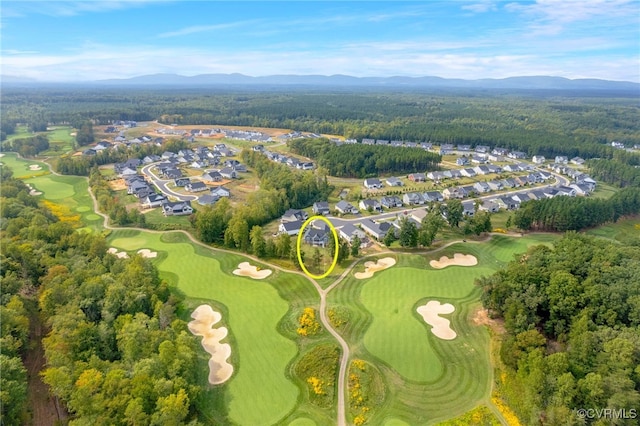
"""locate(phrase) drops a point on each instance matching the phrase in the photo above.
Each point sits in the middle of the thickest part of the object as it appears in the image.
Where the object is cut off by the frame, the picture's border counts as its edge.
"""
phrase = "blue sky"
(90, 40)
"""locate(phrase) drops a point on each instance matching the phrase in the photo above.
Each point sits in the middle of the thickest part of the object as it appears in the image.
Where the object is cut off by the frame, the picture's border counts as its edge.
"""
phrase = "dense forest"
(561, 214)
(545, 123)
(116, 351)
(361, 161)
(572, 317)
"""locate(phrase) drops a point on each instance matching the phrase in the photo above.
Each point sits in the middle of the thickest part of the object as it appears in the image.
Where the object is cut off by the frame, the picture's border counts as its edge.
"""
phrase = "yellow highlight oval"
(335, 239)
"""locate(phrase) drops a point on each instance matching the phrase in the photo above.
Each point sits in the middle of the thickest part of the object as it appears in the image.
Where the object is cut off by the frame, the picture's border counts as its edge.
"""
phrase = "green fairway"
(60, 140)
(428, 379)
(620, 229)
(70, 191)
(397, 335)
(20, 167)
(259, 392)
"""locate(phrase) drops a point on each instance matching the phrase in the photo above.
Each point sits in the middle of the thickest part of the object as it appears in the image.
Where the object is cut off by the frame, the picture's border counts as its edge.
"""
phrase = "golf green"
(397, 335)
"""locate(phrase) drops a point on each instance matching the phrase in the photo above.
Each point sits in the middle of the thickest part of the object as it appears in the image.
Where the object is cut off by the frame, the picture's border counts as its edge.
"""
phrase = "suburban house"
(394, 181)
(417, 177)
(432, 196)
(294, 215)
(489, 206)
(437, 176)
(577, 161)
(419, 215)
(208, 200)
(321, 207)
(468, 209)
(349, 232)
(212, 176)
(370, 205)
(462, 161)
(412, 199)
(376, 230)
(506, 203)
(153, 200)
(345, 208)
(372, 183)
(517, 155)
(316, 237)
(220, 191)
(481, 187)
(495, 185)
(469, 172)
(195, 186)
(181, 182)
(482, 149)
(561, 159)
(172, 173)
(538, 159)
(581, 188)
(290, 228)
(228, 173)
(391, 202)
(450, 193)
(178, 208)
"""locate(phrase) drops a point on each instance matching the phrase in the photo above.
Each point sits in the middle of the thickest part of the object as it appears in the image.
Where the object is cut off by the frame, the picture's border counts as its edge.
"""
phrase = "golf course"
(420, 365)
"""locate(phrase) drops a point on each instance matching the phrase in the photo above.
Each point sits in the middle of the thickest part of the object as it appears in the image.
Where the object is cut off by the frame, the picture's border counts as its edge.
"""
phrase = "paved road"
(162, 185)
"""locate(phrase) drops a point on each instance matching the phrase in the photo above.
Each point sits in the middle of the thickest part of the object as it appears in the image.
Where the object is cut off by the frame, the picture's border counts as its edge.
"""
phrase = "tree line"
(116, 351)
(361, 161)
(615, 172)
(545, 125)
(572, 320)
(560, 214)
(27, 147)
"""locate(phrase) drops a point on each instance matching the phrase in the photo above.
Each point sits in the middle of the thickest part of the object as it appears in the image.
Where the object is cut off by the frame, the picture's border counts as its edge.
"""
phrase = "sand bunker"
(120, 254)
(245, 269)
(439, 326)
(204, 318)
(32, 191)
(35, 167)
(371, 267)
(458, 259)
(147, 253)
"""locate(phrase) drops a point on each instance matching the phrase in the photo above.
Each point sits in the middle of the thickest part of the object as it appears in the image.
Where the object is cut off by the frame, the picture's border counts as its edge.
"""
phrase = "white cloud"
(95, 62)
(481, 6)
(194, 29)
(69, 8)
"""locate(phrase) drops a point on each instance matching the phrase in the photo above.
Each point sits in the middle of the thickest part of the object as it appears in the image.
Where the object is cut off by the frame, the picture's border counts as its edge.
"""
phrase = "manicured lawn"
(20, 167)
(259, 392)
(70, 191)
(428, 379)
(623, 227)
(397, 335)
(60, 140)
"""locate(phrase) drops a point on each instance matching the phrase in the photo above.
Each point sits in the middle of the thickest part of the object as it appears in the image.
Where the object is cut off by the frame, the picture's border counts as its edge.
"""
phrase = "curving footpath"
(346, 353)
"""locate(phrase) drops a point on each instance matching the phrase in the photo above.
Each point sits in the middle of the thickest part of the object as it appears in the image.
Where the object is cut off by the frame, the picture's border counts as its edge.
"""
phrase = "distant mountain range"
(531, 82)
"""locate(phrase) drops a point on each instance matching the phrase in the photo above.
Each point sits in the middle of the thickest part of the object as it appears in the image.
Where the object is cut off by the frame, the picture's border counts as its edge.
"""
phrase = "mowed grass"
(428, 379)
(623, 227)
(60, 140)
(259, 393)
(397, 334)
(70, 191)
(20, 167)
